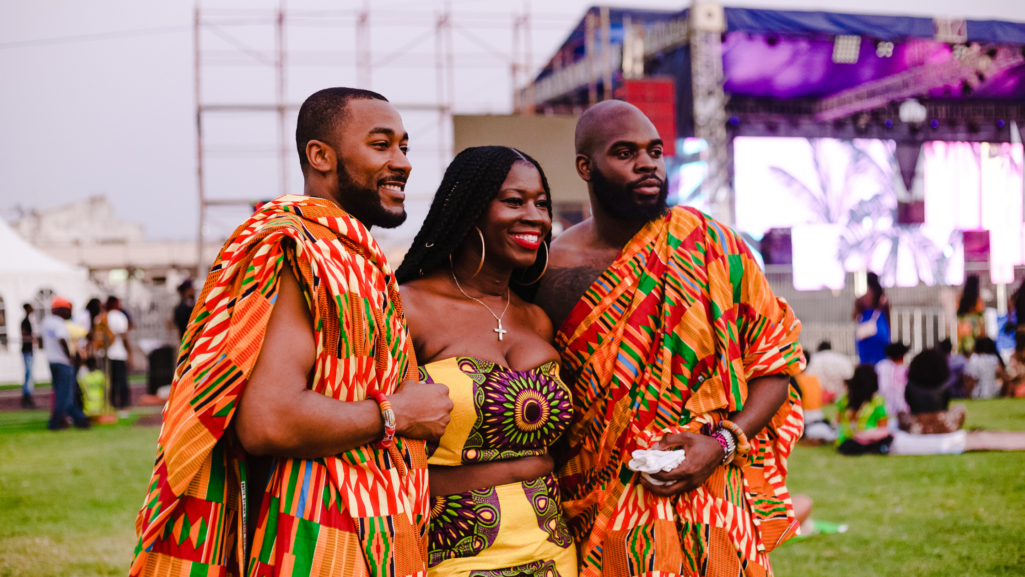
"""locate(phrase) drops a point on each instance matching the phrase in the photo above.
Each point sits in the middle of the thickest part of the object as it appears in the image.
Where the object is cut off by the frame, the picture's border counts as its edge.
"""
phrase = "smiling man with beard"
(670, 338)
(294, 438)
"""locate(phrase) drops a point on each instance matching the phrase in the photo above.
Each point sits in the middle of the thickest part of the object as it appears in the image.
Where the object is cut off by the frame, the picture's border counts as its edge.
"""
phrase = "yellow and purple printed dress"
(500, 414)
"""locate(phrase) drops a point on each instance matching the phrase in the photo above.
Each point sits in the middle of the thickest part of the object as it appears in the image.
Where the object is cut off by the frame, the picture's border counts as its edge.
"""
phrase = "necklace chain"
(498, 318)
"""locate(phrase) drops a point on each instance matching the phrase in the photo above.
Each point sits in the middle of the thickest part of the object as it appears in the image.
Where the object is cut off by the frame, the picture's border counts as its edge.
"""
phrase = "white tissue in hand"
(656, 461)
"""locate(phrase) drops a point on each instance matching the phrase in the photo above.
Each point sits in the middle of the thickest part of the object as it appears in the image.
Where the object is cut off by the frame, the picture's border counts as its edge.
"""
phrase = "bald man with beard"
(670, 339)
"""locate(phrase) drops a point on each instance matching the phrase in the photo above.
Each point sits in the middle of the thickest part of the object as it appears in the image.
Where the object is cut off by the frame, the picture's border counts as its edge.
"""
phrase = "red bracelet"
(389, 418)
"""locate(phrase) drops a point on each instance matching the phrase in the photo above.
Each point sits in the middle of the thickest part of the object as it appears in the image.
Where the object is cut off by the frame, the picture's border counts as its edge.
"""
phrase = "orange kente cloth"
(666, 340)
(362, 512)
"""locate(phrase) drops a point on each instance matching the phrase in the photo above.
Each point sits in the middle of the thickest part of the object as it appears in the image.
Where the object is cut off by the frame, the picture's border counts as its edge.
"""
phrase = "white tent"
(28, 275)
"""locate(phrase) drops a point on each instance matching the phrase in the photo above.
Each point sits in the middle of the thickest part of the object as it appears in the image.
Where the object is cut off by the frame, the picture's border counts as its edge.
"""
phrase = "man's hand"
(422, 410)
(704, 455)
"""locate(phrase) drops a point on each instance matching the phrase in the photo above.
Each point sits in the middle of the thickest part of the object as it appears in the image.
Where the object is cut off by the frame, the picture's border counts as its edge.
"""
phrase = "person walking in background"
(832, 369)
(971, 322)
(984, 370)
(183, 311)
(27, 348)
(872, 313)
(86, 318)
(120, 356)
(62, 372)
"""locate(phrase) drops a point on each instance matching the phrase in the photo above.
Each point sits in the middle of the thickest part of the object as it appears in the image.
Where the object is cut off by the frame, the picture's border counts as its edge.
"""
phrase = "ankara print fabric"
(666, 340)
(518, 412)
(464, 524)
(500, 414)
(364, 512)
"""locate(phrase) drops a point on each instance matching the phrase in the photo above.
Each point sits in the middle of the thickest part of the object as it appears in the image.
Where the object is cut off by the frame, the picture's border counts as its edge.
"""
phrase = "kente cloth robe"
(666, 340)
(362, 512)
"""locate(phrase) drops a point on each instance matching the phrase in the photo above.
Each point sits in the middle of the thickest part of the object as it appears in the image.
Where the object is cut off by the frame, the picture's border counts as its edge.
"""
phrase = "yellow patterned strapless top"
(500, 414)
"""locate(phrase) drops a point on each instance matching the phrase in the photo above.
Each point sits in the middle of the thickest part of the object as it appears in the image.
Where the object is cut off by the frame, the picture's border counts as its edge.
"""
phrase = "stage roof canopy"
(823, 65)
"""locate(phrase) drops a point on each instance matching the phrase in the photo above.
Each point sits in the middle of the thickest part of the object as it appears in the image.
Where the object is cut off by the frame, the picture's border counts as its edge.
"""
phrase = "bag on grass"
(853, 448)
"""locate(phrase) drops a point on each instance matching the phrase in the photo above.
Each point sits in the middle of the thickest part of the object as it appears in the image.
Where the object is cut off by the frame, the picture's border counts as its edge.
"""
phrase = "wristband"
(389, 418)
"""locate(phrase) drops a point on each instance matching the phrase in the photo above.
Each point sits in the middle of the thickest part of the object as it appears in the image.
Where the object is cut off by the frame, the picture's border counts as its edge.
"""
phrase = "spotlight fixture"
(861, 121)
(888, 123)
(934, 123)
(912, 111)
(846, 48)
(884, 49)
(735, 121)
(1000, 123)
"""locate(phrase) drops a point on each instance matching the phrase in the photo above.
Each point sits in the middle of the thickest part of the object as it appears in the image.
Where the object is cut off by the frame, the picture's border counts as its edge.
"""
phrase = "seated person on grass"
(893, 379)
(1014, 374)
(984, 372)
(932, 426)
(861, 411)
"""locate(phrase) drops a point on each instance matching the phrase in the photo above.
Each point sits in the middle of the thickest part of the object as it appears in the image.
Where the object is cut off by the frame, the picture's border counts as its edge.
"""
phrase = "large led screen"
(839, 197)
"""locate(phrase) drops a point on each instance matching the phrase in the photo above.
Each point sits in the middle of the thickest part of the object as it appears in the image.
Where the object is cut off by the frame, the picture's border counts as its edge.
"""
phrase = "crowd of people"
(889, 405)
(89, 354)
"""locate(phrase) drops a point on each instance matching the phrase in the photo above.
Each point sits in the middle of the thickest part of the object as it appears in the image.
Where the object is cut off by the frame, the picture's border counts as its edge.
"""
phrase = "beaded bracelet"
(725, 439)
(743, 445)
(389, 418)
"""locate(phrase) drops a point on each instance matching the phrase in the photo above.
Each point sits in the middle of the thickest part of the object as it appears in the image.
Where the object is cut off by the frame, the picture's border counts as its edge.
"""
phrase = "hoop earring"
(483, 248)
(543, 271)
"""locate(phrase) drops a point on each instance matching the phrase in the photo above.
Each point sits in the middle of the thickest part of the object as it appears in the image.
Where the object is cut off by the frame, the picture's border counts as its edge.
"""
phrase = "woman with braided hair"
(465, 287)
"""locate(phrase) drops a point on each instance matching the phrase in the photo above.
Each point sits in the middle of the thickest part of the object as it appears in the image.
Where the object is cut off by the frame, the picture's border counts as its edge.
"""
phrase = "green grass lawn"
(68, 502)
(68, 499)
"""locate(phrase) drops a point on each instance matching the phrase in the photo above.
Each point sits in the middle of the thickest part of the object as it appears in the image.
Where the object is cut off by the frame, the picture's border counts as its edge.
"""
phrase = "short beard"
(617, 201)
(365, 203)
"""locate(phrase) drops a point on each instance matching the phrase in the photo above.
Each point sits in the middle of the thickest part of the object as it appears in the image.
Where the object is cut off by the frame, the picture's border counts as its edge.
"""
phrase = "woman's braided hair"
(471, 182)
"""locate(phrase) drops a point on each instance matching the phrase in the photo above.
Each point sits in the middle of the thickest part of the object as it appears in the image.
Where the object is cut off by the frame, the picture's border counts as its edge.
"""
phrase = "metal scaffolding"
(228, 26)
(707, 23)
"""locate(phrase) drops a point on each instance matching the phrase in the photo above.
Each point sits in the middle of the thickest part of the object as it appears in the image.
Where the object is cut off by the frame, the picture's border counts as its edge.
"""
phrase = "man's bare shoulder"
(575, 264)
(574, 242)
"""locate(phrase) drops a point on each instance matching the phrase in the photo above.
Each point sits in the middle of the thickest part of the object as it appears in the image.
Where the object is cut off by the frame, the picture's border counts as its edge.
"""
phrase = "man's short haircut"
(825, 346)
(323, 113)
(592, 124)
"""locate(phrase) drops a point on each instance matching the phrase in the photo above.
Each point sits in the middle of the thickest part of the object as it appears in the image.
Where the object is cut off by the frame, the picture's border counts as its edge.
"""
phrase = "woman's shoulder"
(419, 294)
